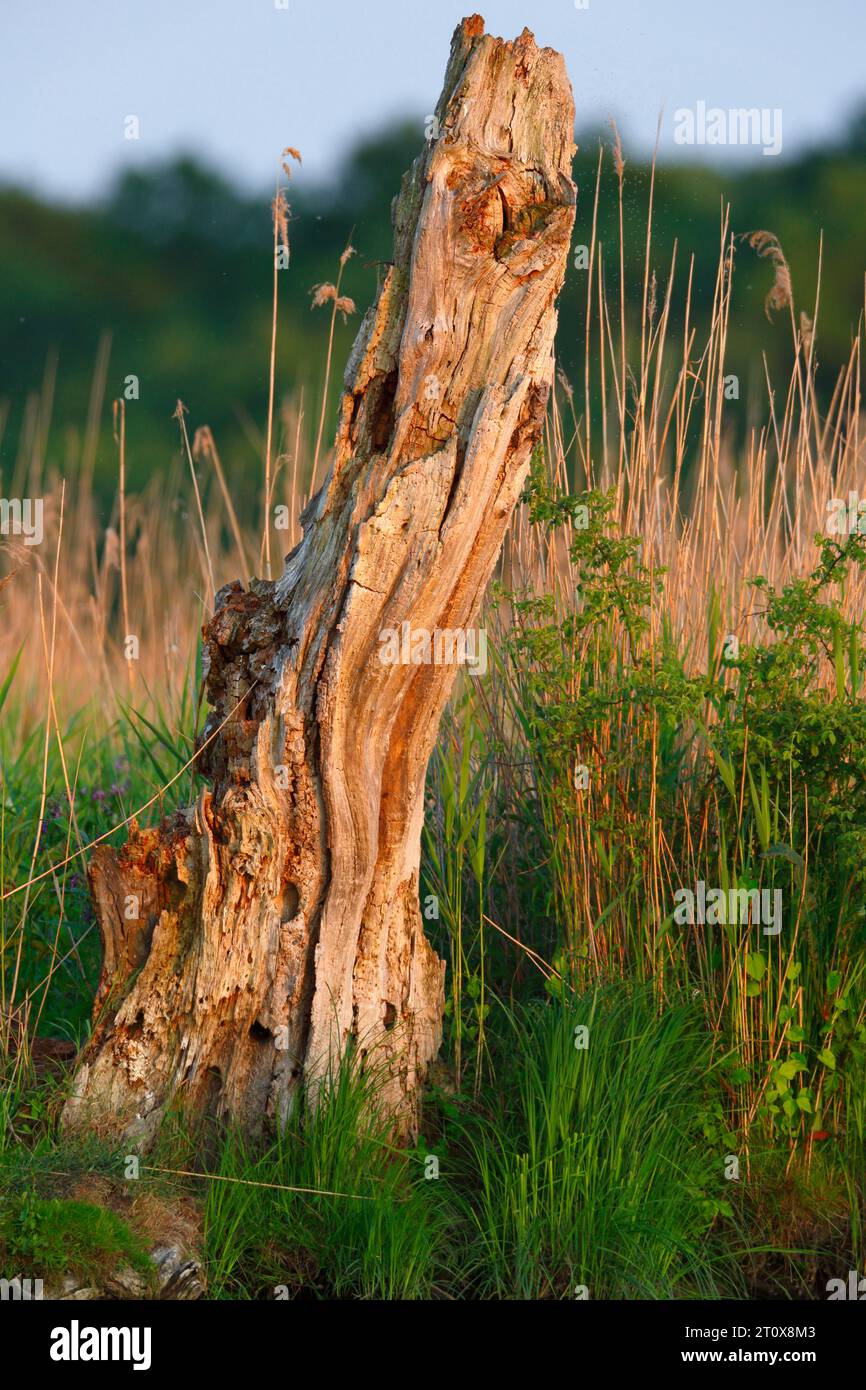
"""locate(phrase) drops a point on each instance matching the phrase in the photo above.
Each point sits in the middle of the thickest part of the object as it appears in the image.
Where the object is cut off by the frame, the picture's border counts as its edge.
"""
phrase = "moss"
(55, 1236)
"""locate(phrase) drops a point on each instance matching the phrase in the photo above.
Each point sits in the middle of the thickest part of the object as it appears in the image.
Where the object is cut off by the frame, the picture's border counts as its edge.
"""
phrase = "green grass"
(370, 1224)
(586, 1169)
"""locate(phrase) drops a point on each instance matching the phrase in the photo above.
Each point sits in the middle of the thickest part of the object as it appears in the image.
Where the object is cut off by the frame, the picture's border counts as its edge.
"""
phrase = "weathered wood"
(279, 916)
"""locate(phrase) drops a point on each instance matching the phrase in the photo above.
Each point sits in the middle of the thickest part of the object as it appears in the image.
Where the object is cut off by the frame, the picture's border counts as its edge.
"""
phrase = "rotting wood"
(278, 917)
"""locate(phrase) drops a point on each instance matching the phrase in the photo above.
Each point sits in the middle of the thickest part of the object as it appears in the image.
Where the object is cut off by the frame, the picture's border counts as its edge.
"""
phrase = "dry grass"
(711, 516)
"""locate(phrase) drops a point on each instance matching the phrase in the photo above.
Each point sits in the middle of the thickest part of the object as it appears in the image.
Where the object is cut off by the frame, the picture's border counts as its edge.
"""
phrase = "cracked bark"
(278, 917)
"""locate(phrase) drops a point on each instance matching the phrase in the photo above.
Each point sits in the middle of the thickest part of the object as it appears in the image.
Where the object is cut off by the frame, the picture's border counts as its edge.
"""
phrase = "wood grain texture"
(280, 914)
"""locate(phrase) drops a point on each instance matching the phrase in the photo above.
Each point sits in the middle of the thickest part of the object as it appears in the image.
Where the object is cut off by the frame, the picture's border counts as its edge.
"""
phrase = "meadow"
(628, 1103)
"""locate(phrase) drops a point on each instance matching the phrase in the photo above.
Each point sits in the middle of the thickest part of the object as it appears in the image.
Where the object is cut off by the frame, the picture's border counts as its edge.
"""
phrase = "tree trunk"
(250, 937)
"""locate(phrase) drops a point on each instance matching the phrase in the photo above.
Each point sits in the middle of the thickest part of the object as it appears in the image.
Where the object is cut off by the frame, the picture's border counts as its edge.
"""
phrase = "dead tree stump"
(278, 917)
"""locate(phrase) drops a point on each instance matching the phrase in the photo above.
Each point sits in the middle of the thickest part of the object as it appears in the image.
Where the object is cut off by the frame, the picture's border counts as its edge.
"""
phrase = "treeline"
(177, 266)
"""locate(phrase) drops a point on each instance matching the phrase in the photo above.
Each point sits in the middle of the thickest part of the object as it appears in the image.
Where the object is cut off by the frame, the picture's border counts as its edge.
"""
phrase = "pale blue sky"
(236, 80)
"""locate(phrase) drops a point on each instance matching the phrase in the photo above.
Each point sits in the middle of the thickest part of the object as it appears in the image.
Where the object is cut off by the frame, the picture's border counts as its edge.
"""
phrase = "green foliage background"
(177, 265)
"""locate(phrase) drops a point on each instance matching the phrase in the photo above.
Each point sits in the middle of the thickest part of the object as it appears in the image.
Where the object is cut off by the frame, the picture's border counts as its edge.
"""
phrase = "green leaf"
(761, 807)
(756, 965)
(6, 686)
(791, 1067)
(785, 852)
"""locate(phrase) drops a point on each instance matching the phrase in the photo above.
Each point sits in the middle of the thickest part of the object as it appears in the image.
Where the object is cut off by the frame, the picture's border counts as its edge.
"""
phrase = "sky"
(234, 81)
